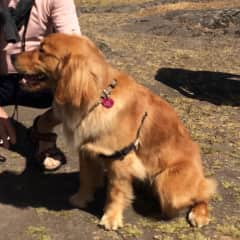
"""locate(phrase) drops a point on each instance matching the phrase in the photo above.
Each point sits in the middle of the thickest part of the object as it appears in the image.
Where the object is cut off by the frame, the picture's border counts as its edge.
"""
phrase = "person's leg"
(48, 155)
(44, 138)
(7, 90)
(40, 99)
(11, 93)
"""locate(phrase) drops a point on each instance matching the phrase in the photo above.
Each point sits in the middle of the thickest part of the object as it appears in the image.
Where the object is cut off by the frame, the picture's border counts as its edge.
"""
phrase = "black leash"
(12, 19)
(21, 15)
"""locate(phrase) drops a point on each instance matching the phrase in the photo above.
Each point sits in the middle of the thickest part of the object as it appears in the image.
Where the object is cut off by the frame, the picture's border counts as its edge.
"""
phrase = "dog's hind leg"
(183, 185)
(91, 177)
(198, 215)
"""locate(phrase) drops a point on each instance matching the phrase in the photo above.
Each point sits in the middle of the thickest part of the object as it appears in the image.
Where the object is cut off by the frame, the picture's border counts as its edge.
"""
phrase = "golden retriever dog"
(120, 129)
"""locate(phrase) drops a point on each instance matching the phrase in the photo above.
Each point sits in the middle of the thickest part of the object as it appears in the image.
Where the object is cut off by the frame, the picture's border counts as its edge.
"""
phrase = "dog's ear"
(77, 84)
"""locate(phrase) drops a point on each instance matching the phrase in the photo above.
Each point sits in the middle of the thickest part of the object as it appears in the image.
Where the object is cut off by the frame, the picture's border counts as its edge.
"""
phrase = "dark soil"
(190, 23)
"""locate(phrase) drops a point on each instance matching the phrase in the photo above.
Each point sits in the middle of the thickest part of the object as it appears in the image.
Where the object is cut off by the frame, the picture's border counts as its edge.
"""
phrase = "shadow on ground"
(215, 87)
(34, 188)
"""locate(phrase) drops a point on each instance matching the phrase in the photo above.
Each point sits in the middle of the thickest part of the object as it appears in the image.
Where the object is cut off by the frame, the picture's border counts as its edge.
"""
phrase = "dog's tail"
(206, 189)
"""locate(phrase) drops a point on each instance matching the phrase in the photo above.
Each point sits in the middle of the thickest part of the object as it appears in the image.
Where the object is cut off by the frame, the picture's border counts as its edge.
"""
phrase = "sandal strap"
(37, 136)
(53, 152)
(46, 137)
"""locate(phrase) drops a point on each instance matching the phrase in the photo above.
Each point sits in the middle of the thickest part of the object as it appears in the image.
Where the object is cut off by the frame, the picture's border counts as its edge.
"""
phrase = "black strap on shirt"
(21, 16)
(12, 19)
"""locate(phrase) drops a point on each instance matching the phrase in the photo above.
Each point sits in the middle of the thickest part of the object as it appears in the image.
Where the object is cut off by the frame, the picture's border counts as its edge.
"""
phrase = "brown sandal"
(53, 152)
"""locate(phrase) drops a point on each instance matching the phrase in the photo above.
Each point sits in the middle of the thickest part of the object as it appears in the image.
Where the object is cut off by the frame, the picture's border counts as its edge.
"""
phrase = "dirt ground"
(188, 53)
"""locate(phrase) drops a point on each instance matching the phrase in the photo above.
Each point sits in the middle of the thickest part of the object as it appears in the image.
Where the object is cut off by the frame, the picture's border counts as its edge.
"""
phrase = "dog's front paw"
(79, 201)
(197, 219)
(111, 221)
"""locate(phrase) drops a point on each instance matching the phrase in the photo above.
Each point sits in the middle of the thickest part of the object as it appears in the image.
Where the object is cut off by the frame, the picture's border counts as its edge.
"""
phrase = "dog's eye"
(41, 50)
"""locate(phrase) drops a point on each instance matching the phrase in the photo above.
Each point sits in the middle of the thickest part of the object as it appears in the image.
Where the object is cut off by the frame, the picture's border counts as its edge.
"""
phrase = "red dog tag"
(107, 102)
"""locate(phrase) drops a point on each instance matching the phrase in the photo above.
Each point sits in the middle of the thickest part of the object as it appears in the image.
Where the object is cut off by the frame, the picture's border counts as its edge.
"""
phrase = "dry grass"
(216, 4)
(106, 2)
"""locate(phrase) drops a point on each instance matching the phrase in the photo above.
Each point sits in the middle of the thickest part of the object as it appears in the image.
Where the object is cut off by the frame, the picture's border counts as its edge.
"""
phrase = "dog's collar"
(108, 90)
(105, 99)
(107, 102)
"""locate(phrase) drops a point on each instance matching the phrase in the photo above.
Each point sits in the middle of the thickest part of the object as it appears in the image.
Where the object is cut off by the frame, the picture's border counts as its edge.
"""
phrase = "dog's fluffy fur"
(166, 154)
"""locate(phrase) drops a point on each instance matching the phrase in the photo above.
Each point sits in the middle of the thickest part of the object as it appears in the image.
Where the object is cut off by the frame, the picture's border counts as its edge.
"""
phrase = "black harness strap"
(120, 154)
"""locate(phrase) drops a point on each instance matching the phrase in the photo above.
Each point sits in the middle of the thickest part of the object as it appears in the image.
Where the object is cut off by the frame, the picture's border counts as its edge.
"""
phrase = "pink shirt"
(46, 16)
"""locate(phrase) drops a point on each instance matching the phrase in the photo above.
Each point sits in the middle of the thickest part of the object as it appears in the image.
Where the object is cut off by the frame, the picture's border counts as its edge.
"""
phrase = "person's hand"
(7, 131)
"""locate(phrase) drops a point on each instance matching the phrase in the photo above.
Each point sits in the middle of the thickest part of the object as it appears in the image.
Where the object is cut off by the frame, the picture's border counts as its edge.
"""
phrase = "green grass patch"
(131, 230)
(38, 233)
(230, 230)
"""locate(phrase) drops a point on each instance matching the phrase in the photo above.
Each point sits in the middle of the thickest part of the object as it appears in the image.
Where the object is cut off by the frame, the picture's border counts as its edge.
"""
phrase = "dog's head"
(71, 65)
